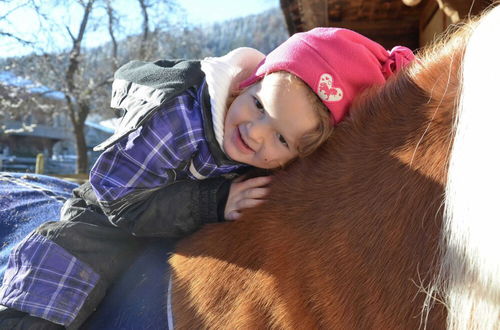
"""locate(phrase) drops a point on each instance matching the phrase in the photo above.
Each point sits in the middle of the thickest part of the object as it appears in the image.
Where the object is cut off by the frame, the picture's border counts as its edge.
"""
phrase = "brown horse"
(356, 236)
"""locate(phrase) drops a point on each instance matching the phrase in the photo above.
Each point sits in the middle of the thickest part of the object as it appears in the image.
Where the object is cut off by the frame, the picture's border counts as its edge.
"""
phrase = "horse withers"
(356, 236)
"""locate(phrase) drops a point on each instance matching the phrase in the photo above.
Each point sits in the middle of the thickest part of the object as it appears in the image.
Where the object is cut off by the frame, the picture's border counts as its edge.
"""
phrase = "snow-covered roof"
(111, 123)
(99, 127)
(10, 79)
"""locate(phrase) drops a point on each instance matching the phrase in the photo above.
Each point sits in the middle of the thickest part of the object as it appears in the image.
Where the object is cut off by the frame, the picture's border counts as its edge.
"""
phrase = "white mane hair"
(470, 275)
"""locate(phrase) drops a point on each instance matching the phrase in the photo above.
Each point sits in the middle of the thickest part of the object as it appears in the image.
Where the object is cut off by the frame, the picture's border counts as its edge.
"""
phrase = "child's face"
(264, 123)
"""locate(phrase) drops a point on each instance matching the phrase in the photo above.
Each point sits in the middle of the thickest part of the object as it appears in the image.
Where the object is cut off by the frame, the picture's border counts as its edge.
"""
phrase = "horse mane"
(351, 236)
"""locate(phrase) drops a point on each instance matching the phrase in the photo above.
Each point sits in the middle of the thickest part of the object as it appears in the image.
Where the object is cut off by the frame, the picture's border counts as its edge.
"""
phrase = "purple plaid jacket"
(171, 146)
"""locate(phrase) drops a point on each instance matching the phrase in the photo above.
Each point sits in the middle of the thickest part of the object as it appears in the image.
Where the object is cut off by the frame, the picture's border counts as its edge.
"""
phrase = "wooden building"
(412, 23)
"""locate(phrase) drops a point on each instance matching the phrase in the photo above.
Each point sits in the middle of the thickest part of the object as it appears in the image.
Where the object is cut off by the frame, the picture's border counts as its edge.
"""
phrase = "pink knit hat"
(336, 63)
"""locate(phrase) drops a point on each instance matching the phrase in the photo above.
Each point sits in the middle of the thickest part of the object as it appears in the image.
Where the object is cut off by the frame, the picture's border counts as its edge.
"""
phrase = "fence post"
(39, 164)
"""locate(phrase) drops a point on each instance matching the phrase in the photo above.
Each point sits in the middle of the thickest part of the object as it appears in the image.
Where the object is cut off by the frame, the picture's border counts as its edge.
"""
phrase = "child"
(162, 173)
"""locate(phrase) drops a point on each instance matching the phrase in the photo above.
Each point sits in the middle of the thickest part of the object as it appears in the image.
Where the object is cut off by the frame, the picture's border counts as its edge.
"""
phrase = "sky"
(207, 11)
(199, 12)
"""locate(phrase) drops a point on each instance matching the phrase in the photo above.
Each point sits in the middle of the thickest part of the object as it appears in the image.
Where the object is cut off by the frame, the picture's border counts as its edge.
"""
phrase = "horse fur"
(350, 237)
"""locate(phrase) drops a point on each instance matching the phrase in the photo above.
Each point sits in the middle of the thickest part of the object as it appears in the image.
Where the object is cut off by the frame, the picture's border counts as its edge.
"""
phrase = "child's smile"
(239, 141)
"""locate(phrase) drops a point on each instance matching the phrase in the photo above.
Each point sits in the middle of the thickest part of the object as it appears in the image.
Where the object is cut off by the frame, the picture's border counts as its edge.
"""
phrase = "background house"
(32, 124)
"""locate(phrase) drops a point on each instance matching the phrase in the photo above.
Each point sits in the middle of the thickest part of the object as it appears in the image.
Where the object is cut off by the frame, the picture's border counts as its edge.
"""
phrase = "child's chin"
(231, 153)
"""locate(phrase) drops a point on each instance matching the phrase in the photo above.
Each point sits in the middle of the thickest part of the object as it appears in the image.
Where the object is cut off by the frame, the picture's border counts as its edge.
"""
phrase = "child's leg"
(62, 270)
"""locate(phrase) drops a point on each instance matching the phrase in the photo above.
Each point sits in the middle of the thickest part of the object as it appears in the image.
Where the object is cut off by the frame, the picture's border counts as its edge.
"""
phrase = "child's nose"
(258, 130)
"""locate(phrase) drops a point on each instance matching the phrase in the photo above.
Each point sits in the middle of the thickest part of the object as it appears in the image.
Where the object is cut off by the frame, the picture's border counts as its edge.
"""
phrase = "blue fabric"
(27, 201)
(136, 301)
(44, 280)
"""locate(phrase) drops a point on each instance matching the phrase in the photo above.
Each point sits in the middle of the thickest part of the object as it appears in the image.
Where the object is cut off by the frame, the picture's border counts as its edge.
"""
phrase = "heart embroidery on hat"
(326, 91)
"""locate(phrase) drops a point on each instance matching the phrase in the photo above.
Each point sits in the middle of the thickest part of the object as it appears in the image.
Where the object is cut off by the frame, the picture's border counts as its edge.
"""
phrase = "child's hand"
(245, 193)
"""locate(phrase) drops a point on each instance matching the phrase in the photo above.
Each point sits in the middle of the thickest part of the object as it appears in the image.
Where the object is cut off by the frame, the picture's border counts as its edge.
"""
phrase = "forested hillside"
(263, 31)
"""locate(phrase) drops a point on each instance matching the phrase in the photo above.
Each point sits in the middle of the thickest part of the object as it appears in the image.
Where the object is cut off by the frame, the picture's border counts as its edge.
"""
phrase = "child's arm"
(175, 210)
(137, 180)
(184, 206)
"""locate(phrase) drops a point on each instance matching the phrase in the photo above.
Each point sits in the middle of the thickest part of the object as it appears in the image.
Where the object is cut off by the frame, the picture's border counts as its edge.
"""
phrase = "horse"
(391, 224)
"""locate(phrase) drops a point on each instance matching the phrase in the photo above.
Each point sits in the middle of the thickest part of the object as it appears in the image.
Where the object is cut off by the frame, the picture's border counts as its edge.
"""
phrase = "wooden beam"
(388, 33)
(386, 26)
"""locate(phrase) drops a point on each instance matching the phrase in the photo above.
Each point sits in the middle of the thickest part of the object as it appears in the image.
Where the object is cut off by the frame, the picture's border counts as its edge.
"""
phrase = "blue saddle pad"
(136, 301)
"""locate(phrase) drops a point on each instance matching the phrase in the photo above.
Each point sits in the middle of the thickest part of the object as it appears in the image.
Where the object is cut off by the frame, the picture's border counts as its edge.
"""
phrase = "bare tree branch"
(70, 34)
(76, 50)
(145, 28)
(16, 38)
(111, 24)
(14, 9)
(5, 18)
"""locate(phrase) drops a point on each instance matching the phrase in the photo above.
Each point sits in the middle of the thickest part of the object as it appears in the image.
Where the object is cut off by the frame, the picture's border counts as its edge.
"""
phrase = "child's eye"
(258, 105)
(282, 140)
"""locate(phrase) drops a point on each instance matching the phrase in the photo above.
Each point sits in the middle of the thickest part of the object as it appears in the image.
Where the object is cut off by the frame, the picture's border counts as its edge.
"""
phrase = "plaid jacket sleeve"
(151, 157)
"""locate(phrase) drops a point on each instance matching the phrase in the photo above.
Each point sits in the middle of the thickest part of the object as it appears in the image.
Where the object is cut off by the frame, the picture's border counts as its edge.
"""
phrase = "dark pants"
(15, 320)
